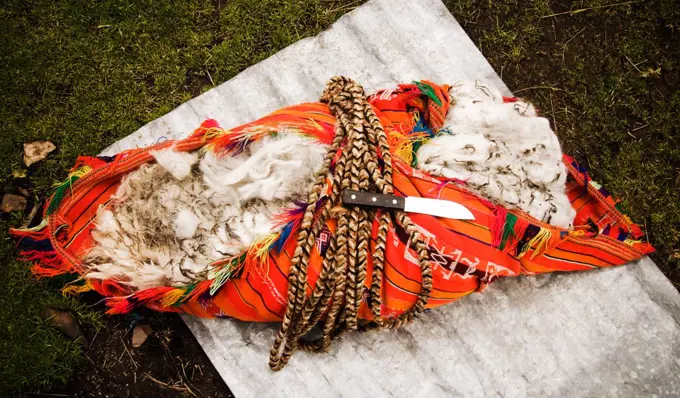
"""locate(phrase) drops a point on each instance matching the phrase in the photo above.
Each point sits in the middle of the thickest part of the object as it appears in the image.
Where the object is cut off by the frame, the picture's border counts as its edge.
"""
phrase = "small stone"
(13, 203)
(65, 322)
(139, 335)
(36, 151)
(24, 192)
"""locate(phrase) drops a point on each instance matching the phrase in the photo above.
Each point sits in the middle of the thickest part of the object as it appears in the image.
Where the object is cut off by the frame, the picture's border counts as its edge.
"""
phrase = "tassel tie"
(539, 243)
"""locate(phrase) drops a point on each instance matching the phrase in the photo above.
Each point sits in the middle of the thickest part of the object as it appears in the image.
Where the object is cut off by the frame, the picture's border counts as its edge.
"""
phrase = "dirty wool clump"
(503, 152)
(169, 220)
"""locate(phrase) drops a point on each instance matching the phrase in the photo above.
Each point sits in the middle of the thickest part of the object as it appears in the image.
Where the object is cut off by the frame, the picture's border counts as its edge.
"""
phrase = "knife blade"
(409, 204)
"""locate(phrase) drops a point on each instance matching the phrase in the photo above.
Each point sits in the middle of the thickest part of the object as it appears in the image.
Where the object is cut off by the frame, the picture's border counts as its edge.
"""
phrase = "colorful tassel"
(46, 263)
(122, 305)
(632, 242)
(197, 291)
(498, 226)
(421, 133)
(62, 188)
(212, 133)
(258, 253)
(209, 126)
(290, 220)
(508, 230)
(509, 237)
(119, 305)
(164, 298)
(324, 135)
(427, 90)
(230, 268)
(90, 161)
(172, 297)
(520, 228)
(76, 288)
(539, 243)
(283, 237)
(405, 145)
(292, 214)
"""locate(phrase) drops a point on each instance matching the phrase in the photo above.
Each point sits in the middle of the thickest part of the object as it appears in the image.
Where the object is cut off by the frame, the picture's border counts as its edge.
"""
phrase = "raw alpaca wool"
(169, 220)
(503, 151)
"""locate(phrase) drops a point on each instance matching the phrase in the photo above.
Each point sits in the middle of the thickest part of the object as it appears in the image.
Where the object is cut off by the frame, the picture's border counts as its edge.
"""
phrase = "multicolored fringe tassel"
(508, 231)
(227, 269)
(63, 187)
(223, 141)
(258, 253)
(539, 243)
(407, 145)
(164, 298)
(77, 287)
(427, 90)
(46, 263)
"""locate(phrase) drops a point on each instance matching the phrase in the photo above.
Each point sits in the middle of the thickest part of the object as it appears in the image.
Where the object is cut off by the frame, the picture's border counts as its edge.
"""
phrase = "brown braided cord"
(339, 289)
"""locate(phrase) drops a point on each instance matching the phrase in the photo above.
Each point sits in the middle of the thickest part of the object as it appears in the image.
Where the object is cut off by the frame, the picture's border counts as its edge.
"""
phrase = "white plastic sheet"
(612, 332)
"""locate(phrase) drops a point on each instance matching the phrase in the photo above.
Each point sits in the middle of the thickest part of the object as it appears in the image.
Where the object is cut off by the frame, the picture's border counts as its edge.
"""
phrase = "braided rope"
(337, 296)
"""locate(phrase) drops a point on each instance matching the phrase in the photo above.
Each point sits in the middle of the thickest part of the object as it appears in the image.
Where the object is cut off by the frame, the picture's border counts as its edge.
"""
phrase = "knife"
(409, 204)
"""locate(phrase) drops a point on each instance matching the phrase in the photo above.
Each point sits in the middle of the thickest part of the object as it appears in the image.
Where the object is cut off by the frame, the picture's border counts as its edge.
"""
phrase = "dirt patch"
(170, 363)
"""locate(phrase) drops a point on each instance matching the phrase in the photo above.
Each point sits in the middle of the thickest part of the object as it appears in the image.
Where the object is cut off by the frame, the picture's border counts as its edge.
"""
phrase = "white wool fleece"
(176, 163)
(168, 221)
(504, 151)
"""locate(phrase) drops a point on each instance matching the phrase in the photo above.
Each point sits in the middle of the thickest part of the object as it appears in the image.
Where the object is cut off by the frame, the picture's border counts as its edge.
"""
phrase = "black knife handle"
(361, 198)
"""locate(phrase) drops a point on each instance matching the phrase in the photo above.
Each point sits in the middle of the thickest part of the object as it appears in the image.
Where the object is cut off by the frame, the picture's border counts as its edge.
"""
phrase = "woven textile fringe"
(77, 287)
(62, 188)
(507, 230)
(224, 270)
(497, 230)
(539, 243)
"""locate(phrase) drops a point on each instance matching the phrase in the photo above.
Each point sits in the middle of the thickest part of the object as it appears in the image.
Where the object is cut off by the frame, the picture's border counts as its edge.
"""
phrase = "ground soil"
(170, 363)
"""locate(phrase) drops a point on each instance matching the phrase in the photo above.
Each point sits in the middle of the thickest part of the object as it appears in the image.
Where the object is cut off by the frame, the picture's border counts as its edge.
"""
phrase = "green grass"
(33, 355)
(607, 75)
(85, 74)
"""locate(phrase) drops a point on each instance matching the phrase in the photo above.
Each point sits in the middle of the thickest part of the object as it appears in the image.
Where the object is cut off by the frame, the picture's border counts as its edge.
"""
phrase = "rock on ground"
(140, 334)
(65, 322)
(13, 203)
(36, 151)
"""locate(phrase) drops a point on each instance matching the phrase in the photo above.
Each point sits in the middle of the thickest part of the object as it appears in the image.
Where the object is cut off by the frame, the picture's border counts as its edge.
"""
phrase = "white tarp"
(612, 332)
